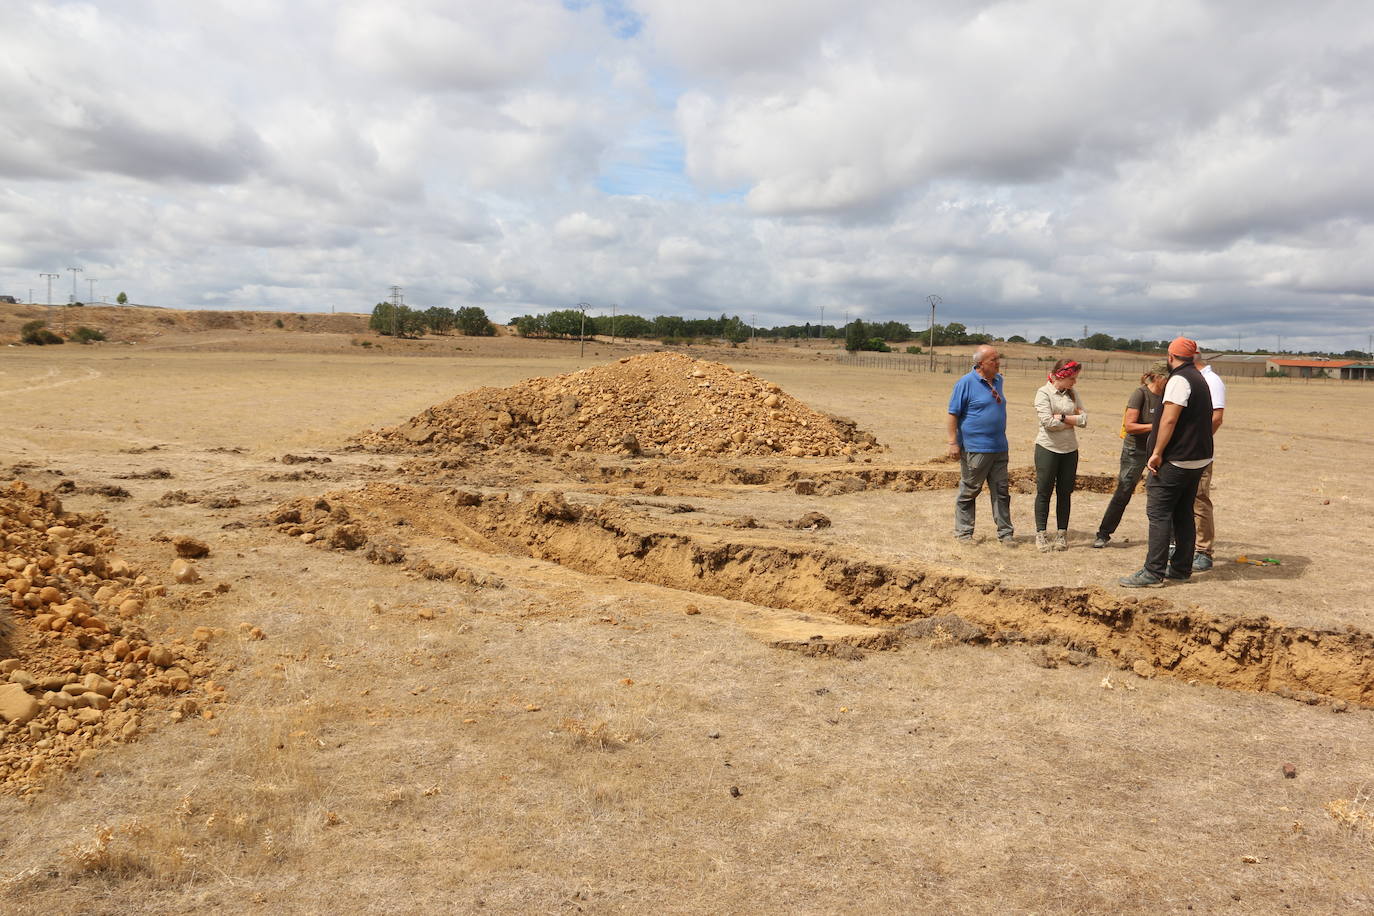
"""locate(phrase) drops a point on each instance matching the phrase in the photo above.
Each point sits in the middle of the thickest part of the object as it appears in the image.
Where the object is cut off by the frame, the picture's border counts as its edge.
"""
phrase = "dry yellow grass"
(570, 742)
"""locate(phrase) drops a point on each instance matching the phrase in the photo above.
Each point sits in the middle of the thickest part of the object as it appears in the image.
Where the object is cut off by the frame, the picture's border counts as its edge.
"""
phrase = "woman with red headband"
(1061, 415)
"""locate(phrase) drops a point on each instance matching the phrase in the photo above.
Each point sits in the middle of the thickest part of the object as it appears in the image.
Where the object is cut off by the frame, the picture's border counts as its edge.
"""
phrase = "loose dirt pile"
(656, 404)
(76, 671)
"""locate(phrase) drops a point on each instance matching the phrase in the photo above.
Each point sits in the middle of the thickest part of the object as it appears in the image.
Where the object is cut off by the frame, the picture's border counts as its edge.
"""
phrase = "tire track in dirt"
(1242, 653)
(53, 372)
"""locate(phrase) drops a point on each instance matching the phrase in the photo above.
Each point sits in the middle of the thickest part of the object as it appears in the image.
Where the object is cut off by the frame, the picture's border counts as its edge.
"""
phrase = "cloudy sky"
(1143, 168)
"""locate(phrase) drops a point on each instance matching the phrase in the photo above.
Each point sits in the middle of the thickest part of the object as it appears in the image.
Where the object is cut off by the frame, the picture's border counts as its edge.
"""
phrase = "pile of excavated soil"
(76, 670)
(655, 404)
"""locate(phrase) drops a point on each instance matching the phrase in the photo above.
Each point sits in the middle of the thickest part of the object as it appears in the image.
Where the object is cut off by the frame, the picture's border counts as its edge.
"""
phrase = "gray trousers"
(975, 469)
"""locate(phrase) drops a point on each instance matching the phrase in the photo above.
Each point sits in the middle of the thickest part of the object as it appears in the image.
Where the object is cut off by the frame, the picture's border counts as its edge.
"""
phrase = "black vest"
(1192, 438)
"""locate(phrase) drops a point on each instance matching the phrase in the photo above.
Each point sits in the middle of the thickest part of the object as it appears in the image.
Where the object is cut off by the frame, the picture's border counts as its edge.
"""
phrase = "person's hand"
(1154, 462)
(954, 450)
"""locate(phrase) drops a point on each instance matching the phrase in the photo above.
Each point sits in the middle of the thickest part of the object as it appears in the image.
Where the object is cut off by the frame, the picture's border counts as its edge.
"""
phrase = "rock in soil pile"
(76, 670)
(656, 404)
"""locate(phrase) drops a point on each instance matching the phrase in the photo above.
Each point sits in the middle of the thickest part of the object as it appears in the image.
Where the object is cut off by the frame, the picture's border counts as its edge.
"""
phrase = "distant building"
(1310, 368)
(1358, 371)
(1237, 365)
(9, 299)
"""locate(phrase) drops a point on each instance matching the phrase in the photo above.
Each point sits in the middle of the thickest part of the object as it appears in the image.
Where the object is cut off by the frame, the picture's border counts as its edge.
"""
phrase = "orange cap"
(1183, 348)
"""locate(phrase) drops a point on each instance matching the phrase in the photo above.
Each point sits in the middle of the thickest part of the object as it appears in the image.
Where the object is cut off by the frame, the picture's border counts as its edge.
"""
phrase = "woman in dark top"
(1135, 428)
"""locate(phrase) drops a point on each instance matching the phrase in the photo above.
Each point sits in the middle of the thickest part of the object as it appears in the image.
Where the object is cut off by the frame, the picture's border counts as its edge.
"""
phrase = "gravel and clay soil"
(687, 694)
(653, 404)
(77, 671)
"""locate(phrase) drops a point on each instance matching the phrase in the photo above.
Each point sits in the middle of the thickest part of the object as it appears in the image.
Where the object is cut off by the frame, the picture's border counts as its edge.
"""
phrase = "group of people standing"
(1167, 430)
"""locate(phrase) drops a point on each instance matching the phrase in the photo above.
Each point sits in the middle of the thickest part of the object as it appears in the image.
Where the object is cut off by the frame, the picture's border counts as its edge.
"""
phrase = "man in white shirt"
(1180, 447)
(1202, 505)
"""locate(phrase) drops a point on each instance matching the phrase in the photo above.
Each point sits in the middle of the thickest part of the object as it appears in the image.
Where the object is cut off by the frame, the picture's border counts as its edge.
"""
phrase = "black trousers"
(1169, 507)
(1054, 473)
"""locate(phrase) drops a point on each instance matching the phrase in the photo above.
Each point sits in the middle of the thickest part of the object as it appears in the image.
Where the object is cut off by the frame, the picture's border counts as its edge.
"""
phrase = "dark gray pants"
(1133, 460)
(975, 469)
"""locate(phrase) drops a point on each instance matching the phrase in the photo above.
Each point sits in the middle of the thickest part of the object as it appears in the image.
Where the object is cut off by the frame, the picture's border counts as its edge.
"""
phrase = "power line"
(395, 312)
(934, 300)
(51, 278)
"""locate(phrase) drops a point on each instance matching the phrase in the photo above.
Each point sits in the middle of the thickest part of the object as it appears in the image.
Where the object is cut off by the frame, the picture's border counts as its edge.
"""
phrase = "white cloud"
(1038, 162)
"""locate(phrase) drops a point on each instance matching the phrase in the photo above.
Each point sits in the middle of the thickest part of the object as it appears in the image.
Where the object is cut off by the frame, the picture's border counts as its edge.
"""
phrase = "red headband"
(1070, 369)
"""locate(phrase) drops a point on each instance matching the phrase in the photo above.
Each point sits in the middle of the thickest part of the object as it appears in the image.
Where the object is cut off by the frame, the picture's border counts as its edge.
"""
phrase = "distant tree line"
(732, 328)
(403, 321)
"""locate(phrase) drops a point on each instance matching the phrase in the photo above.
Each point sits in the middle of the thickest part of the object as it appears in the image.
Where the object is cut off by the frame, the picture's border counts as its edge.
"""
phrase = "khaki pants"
(1203, 519)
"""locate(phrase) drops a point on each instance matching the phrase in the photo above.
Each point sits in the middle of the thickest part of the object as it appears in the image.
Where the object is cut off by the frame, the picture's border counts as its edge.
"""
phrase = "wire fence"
(1112, 368)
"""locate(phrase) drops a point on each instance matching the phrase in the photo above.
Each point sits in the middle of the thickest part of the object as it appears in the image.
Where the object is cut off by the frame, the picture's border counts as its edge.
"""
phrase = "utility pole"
(819, 332)
(396, 312)
(582, 332)
(91, 298)
(934, 300)
(613, 308)
(75, 271)
(51, 277)
(753, 330)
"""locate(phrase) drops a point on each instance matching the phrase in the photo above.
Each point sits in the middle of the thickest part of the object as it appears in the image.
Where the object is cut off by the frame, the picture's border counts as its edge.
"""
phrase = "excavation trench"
(822, 480)
(1242, 653)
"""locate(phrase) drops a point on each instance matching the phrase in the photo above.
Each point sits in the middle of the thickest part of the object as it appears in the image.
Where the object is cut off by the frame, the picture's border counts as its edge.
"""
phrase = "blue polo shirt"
(982, 419)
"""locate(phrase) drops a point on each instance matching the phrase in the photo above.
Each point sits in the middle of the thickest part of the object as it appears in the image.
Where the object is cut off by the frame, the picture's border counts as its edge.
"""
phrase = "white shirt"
(1176, 391)
(1216, 386)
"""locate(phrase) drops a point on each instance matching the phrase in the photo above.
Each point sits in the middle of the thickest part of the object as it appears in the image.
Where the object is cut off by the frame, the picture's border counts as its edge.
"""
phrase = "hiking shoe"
(1061, 540)
(1042, 542)
(1141, 578)
(1101, 540)
(963, 538)
(1176, 576)
(1007, 541)
(1202, 562)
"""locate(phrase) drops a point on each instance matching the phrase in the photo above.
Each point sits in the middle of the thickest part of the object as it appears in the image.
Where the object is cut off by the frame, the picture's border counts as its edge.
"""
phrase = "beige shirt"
(1054, 434)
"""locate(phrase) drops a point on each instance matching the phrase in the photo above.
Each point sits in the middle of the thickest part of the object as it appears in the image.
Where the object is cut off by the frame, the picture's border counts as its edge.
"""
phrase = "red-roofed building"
(1311, 368)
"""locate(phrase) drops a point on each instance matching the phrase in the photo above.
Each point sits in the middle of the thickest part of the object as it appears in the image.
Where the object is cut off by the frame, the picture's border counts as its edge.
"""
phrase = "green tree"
(122, 299)
(1043, 341)
(473, 322)
(566, 323)
(1016, 338)
(396, 320)
(855, 336)
(439, 320)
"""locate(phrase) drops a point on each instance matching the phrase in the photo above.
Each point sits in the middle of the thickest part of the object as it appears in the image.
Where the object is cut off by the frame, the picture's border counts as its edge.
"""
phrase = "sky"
(1144, 169)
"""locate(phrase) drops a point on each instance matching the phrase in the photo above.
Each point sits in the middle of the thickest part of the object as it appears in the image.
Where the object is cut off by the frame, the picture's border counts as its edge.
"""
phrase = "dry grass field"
(559, 722)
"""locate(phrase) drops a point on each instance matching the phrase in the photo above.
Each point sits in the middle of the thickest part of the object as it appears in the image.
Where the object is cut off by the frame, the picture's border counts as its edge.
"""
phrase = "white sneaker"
(1061, 540)
(1042, 542)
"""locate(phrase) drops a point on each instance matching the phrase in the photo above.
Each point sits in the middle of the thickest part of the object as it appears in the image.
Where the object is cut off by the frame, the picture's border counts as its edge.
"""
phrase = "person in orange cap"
(1180, 445)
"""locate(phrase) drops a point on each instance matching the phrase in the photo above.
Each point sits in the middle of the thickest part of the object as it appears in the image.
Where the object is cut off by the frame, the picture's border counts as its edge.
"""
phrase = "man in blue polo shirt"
(977, 433)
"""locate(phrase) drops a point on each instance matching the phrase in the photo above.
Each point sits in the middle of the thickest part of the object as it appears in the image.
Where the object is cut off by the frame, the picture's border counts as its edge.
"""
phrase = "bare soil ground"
(592, 683)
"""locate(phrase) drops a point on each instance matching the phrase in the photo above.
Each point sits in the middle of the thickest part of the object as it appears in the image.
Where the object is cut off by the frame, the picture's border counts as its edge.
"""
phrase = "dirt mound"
(76, 671)
(655, 404)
